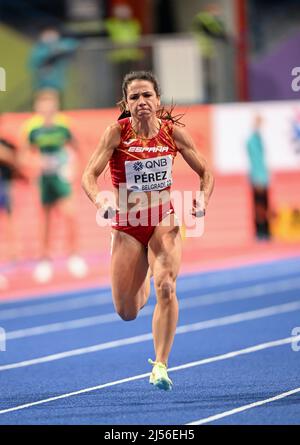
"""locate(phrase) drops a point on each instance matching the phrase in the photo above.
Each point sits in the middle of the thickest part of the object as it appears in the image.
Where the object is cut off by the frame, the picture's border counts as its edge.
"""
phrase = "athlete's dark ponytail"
(167, 114)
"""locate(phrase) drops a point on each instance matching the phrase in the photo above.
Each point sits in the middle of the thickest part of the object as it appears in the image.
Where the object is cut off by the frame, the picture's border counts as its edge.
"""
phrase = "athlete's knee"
(165, 286)
(127, 313)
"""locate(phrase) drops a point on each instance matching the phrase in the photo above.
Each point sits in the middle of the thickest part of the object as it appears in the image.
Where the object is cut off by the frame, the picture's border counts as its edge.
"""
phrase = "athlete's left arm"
(195, 160)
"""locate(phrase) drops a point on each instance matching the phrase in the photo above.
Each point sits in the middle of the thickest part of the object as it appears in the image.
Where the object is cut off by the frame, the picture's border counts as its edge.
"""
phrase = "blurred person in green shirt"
(124, 32)
(48, 134)
(259, 179)
(209, 28)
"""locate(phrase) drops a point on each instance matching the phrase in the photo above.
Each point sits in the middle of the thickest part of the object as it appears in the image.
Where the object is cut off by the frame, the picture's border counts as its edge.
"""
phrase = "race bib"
(146, 175)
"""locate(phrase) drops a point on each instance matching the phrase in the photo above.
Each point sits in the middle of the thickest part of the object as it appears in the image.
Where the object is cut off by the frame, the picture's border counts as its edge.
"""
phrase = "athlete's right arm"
(98, 161)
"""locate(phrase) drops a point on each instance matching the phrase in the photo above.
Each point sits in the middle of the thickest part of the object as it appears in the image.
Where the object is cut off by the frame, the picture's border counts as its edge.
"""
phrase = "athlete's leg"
(129, 275)
(147, 286)
(164, 259)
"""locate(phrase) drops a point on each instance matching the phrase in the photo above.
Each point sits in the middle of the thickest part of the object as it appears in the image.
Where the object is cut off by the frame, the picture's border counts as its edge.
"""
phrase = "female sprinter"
(140, 150)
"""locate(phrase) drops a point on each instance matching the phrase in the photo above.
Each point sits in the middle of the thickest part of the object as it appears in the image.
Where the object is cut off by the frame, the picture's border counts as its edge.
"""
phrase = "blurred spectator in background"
(49, 59)
(209, 28)
(124, 32)
(259, 179)
(9, 171)
(48, 133)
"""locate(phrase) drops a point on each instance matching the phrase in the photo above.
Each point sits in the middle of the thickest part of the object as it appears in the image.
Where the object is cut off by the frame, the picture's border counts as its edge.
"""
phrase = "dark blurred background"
(250, 58)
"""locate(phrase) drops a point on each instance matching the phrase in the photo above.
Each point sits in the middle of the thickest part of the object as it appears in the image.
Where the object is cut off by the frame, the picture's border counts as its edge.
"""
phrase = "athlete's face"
(142, 100)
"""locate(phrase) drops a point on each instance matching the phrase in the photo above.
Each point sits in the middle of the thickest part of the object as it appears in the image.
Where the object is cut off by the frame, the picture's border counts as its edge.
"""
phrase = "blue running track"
(69, 359)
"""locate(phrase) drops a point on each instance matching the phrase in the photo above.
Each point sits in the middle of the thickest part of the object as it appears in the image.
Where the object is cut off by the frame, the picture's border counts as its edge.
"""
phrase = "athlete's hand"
(197, 210)
(106, 209)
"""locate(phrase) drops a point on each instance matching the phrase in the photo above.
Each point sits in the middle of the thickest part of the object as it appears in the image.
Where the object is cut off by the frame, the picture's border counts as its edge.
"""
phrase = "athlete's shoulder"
(125, 128)
(167, 125)
(112, 135)
(179, 132)
(124, 123)
(114, 127)
(182, 139)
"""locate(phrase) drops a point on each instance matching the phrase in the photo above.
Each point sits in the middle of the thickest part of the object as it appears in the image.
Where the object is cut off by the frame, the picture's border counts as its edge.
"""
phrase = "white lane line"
(240, 317)
(75, 393)
(239, 275)
(60, 306)
(244, 408)
(54, 295)
(105, 298)
(242, 293)
(186, 303)
(62, 326)
(184, 284)
(207, 324)
(226, 356)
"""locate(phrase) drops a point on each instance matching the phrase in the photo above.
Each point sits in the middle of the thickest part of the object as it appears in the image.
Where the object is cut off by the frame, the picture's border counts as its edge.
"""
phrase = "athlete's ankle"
(162, 361)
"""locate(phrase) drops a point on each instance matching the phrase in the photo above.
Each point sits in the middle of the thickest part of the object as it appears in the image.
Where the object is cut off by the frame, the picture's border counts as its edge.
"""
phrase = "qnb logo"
(296, 80)
(156, 163)
(2, 340)
(137, 166)
(296, 344)
(2, 79)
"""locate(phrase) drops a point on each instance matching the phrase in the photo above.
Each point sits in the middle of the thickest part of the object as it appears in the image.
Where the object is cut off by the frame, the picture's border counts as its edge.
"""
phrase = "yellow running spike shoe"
(159, 376)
